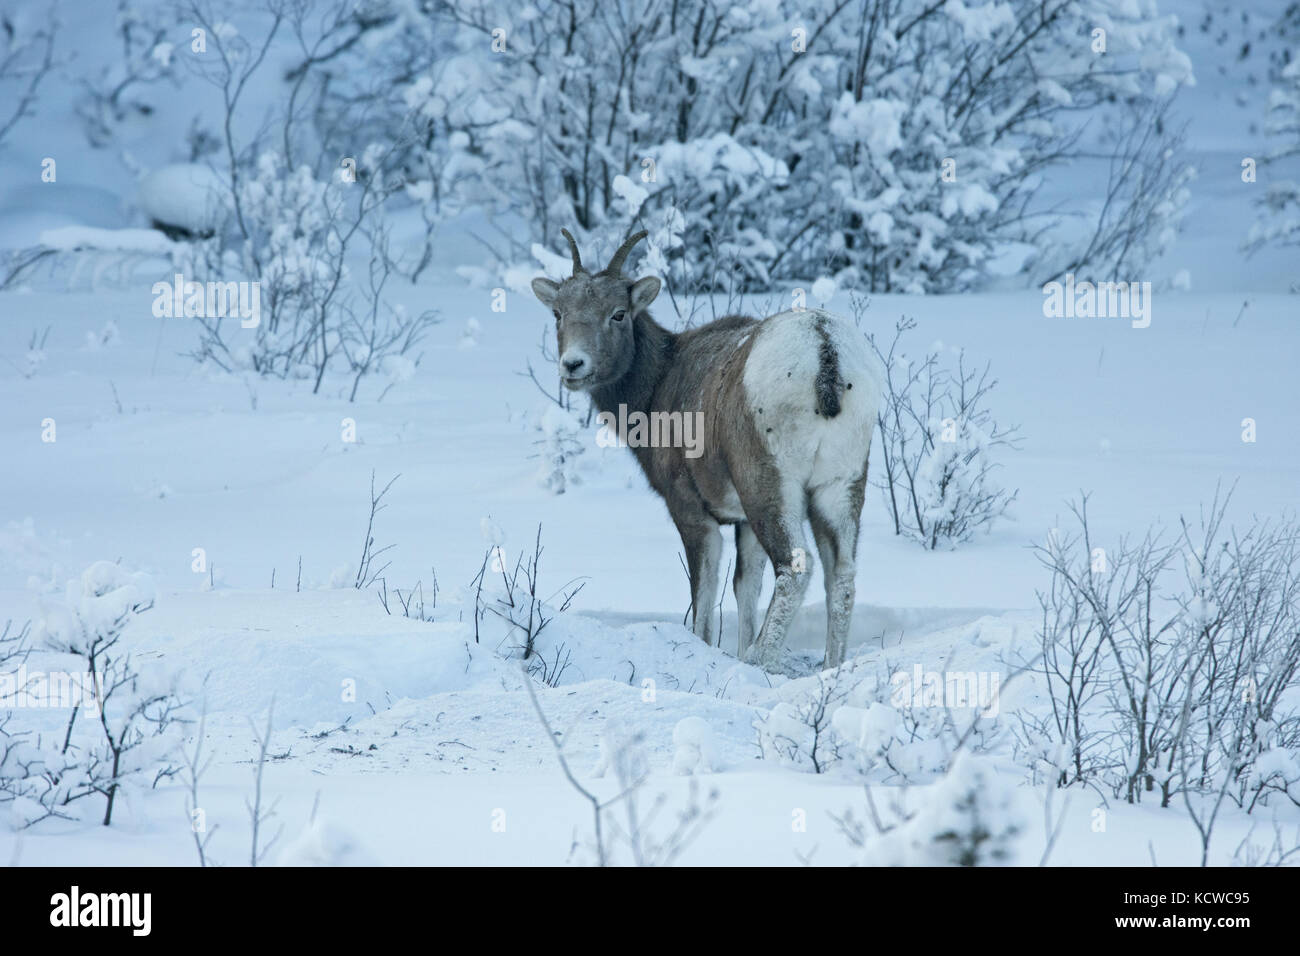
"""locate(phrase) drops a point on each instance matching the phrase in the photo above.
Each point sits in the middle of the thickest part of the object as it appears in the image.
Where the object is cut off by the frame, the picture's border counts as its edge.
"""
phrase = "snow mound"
(325, 843)
(184, 195)
(697, 750)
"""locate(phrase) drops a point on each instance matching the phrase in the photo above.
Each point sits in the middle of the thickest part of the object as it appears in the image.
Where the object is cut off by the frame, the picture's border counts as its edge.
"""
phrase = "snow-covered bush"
(975, 816)
(630, 822)
(797, 734)
(562, 443)
(972, 816)
(123, 729)
(291, 233)
(1072, 740)
(937, 442)
(293, 216)
(712, 221)
(19, 759)
(376, 337)
(113, 97)
(386, 71)
(1280, 220)
(1119, 719)
(1173, 687)
(818, 722)
(891, 144)
(1240, 610)
(26, 60)
(934, 130)
(1140, 212)
(857, 721)
(896, 744)
(523, 604)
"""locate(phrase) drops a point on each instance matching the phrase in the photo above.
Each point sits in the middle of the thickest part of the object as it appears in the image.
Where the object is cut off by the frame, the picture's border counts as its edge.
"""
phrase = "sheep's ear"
(546, 290)
(644, 292)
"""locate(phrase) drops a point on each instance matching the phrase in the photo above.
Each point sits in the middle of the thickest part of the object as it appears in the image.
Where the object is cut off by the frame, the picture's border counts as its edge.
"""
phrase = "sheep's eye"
(557, 314)
(618, 316)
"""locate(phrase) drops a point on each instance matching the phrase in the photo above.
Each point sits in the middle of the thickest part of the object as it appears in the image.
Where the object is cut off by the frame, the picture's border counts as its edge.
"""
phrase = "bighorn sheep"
(787, 406)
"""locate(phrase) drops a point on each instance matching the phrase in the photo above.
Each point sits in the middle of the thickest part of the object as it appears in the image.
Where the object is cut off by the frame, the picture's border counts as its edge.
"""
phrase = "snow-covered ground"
(440, 734)
(412, 741)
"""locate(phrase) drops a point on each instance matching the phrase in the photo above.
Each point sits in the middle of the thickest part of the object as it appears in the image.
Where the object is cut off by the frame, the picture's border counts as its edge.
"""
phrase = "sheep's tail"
(829, 386)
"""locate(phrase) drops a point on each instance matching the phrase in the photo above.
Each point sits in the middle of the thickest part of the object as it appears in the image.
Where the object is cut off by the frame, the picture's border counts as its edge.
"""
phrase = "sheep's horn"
(573, 251)
(615, 266)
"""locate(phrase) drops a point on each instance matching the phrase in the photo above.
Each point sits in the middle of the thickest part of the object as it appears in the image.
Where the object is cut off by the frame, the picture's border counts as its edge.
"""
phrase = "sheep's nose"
(572, 365)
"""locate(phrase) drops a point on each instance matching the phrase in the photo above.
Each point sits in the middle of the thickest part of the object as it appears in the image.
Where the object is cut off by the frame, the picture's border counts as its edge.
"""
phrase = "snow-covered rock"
(184, 196)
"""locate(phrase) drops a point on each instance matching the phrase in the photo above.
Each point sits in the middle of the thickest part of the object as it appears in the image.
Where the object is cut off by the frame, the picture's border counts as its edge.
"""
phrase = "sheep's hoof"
(755, 655)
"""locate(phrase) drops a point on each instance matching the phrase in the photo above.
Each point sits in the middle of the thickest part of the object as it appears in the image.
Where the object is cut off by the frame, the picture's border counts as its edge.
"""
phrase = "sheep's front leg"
(703, 543)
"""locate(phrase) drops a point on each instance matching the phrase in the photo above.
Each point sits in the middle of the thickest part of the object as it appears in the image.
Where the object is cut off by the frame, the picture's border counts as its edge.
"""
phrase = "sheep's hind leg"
(834, 513)
(780, 532)
(747, 583)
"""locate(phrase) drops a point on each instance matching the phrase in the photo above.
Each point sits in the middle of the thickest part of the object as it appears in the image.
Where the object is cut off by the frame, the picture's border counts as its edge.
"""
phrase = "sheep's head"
(594, 315)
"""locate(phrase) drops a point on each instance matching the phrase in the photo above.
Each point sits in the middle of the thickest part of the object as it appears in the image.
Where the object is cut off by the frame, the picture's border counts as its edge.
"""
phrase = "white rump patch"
(780, 382)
